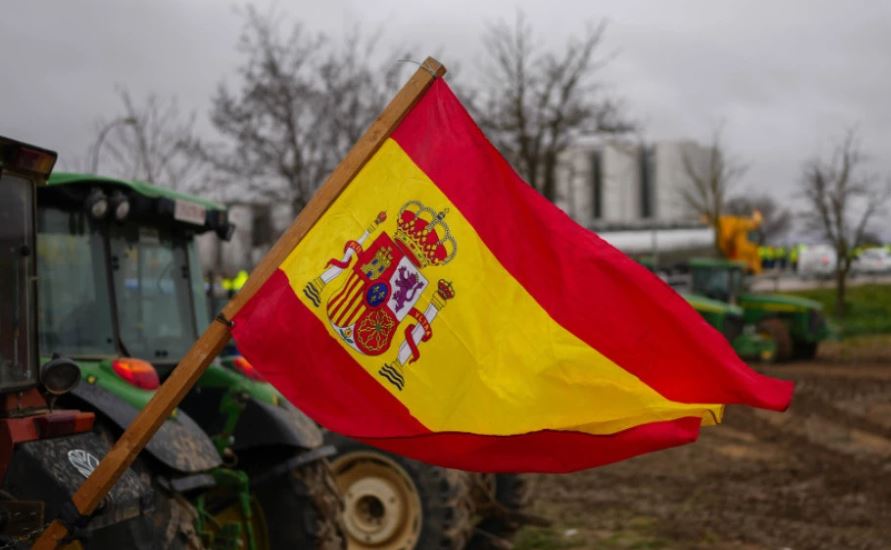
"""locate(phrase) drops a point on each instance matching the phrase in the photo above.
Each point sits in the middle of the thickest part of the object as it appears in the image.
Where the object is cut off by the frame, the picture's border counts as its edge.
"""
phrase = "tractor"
(49, 444)
(729, 320)
(795, 325)
(124, 296)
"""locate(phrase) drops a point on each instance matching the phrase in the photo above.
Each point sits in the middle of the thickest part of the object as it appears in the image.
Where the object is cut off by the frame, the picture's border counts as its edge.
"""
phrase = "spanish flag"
(442, 309)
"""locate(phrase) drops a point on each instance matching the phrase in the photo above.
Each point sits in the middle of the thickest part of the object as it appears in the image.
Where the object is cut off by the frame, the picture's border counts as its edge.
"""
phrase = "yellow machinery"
(733, 239)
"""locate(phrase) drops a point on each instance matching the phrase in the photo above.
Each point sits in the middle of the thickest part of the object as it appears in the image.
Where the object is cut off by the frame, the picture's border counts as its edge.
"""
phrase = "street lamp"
(123, 121)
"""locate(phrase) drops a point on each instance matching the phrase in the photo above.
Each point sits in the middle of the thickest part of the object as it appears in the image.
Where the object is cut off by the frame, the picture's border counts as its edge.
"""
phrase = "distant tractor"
(729, 319)
(796, 325)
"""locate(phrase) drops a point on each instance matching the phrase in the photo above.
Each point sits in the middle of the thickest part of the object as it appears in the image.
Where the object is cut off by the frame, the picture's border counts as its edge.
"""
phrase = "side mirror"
(59, 375)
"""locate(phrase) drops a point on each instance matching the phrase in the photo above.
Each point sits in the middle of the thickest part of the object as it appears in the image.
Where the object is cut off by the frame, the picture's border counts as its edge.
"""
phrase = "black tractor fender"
(179, 444)
(51, 471)
(263, 424)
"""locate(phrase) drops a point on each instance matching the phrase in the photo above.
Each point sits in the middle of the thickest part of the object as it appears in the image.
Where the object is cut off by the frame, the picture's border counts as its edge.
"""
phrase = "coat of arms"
(383, 283)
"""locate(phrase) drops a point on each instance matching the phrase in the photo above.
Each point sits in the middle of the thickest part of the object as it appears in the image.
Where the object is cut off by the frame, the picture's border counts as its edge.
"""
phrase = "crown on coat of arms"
(424, 233)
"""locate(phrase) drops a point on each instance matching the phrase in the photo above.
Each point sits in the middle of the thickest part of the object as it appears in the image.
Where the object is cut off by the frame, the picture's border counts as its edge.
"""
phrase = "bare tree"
(710, 182)
(776, 221)
(148, 141)
(842, 200)
(302, 101)
(534, 102)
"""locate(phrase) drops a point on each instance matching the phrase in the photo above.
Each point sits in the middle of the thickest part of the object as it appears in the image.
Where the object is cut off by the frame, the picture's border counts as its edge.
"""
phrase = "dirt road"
(818, 476)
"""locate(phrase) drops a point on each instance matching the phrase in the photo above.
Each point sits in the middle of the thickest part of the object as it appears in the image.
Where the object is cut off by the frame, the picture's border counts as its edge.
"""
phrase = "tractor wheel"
(394, 503)
(506, 496)
(311, 493)
(777, 331)
(805, 350)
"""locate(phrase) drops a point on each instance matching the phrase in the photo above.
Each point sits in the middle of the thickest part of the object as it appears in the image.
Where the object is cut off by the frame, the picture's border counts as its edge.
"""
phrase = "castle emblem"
(382, 284)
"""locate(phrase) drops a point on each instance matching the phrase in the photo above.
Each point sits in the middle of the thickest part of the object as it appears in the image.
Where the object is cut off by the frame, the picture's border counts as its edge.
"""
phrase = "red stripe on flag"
(603, 297)
(349, 290)
(545, 451)
(292, 349)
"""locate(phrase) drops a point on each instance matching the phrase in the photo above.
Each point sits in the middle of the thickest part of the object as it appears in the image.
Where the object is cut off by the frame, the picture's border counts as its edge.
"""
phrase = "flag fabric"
(442, 309)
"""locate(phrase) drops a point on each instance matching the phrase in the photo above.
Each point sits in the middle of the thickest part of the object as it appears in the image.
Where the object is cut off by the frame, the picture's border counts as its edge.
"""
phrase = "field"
(817, 476)
(869, 308)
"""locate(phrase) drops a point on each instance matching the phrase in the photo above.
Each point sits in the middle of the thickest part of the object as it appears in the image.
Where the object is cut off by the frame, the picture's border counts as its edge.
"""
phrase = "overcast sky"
(785, 78)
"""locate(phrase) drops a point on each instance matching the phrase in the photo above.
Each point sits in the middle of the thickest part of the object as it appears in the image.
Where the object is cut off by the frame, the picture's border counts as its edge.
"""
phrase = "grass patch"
(869, 308)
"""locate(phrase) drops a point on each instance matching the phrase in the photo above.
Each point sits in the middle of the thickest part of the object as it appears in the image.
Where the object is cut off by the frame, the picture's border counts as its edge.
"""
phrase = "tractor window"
(16, 258)
(74, 305)
(152, 292)
(199, 293)
(737, 283)
(713, 283)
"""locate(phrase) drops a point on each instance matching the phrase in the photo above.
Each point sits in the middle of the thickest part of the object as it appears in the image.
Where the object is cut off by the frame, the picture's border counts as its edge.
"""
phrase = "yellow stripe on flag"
(496, 363)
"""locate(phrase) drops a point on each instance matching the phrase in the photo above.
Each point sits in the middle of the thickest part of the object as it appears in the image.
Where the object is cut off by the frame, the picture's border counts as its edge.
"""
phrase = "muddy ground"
(818, 476)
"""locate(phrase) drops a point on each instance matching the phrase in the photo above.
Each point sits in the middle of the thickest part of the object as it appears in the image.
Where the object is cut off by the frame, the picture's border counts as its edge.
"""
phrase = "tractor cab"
(19, 177)
(125, 296)
(722, 280)
(129, 268)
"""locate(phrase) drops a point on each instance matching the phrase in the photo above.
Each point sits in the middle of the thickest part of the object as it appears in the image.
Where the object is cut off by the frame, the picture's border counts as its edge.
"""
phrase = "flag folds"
(442, 309)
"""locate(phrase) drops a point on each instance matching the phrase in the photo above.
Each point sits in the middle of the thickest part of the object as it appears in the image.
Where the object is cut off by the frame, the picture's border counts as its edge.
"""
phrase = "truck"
(124, 297)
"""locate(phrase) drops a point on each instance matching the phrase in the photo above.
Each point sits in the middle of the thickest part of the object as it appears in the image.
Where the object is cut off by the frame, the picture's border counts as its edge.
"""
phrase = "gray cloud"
(784, 78)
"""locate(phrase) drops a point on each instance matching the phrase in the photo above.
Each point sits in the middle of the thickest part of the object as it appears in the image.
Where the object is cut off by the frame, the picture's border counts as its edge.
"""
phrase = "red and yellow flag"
(442, 309)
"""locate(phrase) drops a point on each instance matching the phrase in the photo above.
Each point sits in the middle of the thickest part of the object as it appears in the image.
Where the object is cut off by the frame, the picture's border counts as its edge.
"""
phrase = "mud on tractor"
(123, 295)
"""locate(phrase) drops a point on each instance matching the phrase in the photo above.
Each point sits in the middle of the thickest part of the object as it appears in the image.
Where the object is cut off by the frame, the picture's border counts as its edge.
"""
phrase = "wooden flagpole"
(209, 345)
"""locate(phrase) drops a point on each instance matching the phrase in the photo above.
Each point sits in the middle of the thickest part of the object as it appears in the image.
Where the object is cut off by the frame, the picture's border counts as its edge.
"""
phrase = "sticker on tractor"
(189, 212)
(83, 461)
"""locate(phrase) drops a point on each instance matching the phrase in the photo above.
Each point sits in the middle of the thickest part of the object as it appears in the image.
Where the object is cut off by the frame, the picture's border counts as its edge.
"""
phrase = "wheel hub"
(374, 510)
(382, 508)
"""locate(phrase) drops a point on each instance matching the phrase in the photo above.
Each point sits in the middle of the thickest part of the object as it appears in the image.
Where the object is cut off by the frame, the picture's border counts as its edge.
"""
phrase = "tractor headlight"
(120, 205)
(96, 204)
(59, 375)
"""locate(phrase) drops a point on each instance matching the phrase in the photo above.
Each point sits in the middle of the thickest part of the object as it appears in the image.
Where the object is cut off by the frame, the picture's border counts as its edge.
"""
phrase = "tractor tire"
(394, 503)
(311, 493)
(777, 331)
(509, 495)
(169, 523)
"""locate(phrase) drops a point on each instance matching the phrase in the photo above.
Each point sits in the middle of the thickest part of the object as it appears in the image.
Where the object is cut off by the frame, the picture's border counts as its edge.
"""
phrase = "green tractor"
(794, 325)
(729, 320)
(123, 295)
(726, 317)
